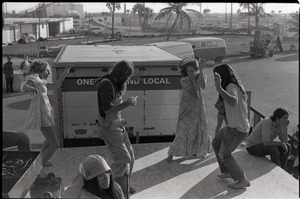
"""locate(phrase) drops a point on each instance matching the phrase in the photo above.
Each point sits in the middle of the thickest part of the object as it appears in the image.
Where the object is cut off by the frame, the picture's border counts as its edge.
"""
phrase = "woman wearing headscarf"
(94, 180)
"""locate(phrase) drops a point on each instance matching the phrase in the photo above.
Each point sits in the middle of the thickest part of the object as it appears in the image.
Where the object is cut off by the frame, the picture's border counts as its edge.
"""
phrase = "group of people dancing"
(96, 179)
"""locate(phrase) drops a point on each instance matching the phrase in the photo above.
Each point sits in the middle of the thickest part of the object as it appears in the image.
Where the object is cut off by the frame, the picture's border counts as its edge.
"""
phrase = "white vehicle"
(209, 48)
(158, 91)
(181, 49)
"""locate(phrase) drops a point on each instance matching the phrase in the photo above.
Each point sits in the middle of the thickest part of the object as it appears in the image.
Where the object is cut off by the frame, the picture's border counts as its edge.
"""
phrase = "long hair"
(228, 76)
(183, 67)
(37, 67)
(93, 187)
(121, 72)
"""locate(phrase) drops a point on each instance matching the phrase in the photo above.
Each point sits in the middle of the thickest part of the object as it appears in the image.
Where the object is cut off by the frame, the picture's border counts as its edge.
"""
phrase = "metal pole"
(88, 33)
(39, 36)
(231, 19)
(144, 17)
(130, 23)
(225, 12)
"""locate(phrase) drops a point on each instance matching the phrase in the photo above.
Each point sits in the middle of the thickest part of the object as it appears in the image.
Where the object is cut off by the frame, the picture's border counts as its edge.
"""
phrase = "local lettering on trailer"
(155, 80)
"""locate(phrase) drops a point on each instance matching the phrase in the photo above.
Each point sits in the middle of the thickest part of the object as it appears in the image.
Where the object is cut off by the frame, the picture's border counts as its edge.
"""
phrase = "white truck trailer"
(158, 91)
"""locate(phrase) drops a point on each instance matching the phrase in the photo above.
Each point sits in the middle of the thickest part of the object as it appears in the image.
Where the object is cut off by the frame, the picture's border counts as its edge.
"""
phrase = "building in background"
(13, 28)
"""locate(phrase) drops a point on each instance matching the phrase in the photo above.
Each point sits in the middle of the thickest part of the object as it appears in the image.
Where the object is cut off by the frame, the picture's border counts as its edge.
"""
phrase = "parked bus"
(209, 48)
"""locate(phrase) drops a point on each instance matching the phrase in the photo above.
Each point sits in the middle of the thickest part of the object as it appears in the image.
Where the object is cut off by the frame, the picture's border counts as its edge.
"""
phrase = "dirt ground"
(235, 43)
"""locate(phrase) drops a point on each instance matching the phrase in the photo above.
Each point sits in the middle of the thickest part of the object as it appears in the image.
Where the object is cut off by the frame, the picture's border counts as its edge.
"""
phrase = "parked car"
(83, 29)
(27, 38)
(108, 30)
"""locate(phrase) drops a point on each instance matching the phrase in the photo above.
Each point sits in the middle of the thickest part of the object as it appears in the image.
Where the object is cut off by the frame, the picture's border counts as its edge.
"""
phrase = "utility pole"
(225, 12)
(144, 16)
(130, 23)
(88, 33)
(231, 19)
(38, 55)
(200, 5)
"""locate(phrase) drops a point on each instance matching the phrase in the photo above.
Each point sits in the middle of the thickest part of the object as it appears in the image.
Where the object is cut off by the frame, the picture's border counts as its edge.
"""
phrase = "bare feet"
(240, 184)
(170, 159)
(224, 175)
(47, 164)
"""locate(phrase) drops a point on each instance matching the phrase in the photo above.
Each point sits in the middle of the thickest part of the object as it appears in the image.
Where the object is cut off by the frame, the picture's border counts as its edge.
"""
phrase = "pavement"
(152, 176)
(16, 104)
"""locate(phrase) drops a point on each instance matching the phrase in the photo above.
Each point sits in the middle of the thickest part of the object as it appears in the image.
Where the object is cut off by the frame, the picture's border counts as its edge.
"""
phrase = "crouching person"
(95, 180)
(261, 141)
(234, 96)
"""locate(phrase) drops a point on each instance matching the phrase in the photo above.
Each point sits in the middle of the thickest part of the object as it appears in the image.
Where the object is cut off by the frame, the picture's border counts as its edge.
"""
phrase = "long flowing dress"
(192, 138)
(39, 113)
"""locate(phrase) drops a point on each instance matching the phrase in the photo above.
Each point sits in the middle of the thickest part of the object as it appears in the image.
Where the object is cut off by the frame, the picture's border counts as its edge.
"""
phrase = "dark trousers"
(224, 144)
(9, 84)
(276, 153)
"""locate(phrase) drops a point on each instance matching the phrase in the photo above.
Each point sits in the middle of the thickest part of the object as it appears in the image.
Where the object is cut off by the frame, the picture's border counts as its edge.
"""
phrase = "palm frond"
(162, 14)
(195, 12)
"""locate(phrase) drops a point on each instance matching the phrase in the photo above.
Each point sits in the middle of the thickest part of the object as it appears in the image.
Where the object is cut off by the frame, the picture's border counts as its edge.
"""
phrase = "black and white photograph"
(150, 100)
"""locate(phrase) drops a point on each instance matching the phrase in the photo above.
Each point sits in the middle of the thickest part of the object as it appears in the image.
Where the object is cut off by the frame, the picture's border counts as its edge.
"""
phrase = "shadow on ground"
(163, 171)
(288, 58)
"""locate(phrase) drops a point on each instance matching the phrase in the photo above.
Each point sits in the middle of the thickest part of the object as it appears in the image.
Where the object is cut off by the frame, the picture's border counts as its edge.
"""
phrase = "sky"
(214, 7)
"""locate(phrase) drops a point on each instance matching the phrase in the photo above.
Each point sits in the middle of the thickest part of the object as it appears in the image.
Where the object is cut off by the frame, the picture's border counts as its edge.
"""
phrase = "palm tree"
(139, 9)
(181, 14)
(112, 7)
(246, 5)
(257, 11)
(148, 15)
(143, 12)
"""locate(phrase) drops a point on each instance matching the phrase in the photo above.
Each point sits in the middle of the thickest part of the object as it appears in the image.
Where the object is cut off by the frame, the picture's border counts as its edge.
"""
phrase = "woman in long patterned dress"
(39, 115)
(192, 139)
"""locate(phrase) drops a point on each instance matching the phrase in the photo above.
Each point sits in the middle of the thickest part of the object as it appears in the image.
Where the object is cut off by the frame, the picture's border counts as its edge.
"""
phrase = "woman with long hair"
(95, 180)
(39, 115)
(232, 93)
(111, 89)
(192, 139)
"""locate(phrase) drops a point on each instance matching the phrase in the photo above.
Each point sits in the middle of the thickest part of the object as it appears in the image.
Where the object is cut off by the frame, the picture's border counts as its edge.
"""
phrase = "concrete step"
(153, 177)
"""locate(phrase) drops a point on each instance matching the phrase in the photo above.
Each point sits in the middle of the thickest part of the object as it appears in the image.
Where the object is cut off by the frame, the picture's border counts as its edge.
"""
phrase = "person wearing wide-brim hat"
(94, 180)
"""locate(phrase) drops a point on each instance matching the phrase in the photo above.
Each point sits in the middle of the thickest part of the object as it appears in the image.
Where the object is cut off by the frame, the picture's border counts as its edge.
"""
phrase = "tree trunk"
(140, 20)
(257, 23)
(113, 21)
(249, 31)
(171, 29)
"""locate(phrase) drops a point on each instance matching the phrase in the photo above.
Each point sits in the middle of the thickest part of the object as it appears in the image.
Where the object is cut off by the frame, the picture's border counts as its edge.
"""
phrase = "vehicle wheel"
(72, 31)
(218, 60)
(22, 41)
(271, 53)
